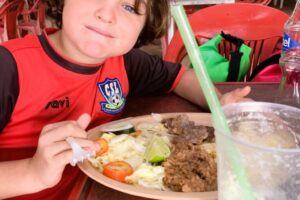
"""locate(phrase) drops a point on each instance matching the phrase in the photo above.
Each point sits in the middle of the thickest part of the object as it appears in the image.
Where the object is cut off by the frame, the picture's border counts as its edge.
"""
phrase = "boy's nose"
(105, 19)
(106, 14)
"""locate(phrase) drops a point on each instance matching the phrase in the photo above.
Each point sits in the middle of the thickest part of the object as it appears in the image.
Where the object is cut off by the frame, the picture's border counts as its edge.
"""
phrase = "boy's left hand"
(235, 96)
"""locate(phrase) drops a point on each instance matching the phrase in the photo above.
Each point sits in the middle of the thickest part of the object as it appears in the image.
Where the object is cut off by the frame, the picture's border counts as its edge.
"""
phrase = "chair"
(8, 19)
(263, 2)
(261, 27)
(33, 19)
(3, 4)
(281, 3)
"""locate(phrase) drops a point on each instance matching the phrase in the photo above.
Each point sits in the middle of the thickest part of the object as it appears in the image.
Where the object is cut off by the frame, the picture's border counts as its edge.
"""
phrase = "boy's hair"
(54, 10)
(156, 25)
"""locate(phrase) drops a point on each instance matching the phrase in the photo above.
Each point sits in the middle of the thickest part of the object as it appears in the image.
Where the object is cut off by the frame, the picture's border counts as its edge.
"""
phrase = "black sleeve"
(9, 86)
(148, 75)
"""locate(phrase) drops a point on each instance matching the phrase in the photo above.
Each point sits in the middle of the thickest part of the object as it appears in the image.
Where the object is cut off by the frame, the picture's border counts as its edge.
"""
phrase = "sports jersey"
(39, 86)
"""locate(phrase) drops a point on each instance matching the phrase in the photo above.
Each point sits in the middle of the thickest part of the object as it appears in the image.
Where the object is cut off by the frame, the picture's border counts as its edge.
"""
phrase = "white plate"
(89, 170)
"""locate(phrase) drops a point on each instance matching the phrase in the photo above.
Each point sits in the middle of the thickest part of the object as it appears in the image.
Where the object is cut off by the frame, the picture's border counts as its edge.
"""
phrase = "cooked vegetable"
(140, 157)
(148, 176)
(118, 128)
(117, 170)
(157, 150)
(136, 133)
(103, 146)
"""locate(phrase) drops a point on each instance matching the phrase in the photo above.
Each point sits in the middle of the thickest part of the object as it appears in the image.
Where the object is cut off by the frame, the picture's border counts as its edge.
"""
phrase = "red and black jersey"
(38, 86)
(42, 87)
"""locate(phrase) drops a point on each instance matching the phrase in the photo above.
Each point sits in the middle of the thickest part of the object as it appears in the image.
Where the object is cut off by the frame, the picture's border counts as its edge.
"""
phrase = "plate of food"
(170, 156)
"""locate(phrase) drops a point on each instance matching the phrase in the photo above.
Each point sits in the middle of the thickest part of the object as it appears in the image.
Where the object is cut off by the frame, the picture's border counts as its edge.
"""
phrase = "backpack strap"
(232, 39)
(234, 66)
(236, 56)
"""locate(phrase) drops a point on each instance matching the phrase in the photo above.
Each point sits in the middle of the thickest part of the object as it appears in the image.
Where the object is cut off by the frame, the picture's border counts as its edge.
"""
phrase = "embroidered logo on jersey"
(114, 99)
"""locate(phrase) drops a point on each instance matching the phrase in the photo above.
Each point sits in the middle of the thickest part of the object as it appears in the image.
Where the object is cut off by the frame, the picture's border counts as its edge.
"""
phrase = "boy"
(82, 68)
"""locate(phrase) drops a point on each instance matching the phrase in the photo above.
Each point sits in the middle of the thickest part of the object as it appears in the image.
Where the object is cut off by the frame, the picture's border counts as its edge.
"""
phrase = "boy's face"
(94, 30)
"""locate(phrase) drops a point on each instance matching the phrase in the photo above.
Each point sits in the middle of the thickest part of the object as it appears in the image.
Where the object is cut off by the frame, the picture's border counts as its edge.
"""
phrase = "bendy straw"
(209, 92)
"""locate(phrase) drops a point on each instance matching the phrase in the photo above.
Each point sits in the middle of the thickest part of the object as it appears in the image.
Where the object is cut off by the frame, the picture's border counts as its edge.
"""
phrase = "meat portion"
(186, 131)
(190, 168)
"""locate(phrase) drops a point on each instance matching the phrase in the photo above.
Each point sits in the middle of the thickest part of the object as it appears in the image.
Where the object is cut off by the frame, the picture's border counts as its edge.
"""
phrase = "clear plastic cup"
(266, 139)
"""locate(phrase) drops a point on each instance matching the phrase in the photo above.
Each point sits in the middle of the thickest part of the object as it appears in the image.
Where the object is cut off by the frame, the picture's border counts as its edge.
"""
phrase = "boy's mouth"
(100, 32)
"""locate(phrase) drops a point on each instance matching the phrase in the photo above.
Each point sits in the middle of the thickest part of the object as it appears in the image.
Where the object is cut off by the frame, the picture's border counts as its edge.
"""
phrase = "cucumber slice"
(118, 128)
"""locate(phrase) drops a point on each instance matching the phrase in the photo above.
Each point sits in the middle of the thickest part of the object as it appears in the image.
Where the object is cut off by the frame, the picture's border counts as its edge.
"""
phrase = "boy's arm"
(17, 179)
(45, 168)
(189, 88)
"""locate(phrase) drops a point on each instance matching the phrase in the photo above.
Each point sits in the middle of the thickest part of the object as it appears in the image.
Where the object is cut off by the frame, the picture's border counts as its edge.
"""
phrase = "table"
(87, 189)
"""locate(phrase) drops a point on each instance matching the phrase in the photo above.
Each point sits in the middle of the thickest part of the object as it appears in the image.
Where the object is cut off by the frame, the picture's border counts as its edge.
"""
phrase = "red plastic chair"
(8, 19)
(263, 2)
(3, 8)
(261, 27)
(33, 19)
(3, 4)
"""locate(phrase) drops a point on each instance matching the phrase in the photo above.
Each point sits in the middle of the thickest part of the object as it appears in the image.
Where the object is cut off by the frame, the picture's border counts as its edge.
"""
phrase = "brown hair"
(157, 14)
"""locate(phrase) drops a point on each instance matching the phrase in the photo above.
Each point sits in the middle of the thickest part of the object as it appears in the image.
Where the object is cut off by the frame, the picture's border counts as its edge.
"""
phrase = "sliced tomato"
(103, 146)
(117, 170)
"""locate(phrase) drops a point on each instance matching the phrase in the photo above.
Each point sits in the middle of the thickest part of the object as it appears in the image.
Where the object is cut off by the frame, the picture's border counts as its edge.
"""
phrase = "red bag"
(268, 70)
(271, 73)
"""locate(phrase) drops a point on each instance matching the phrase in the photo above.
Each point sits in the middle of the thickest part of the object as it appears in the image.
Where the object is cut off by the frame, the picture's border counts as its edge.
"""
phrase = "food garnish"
(117, 170)
(170, 154)
(103, 146)
(157, 150)
(118, 128)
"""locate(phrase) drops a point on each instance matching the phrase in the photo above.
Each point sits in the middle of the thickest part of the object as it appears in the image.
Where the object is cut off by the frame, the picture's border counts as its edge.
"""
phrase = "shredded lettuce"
(131, 149)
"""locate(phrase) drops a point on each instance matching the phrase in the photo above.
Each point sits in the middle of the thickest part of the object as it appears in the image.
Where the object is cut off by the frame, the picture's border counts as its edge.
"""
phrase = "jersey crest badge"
(114, 98)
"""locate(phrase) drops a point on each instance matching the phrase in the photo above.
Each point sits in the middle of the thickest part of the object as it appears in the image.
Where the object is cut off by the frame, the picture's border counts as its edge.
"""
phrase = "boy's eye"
(129, 8)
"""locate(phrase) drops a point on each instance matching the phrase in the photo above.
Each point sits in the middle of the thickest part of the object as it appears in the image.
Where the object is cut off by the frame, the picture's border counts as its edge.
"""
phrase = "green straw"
(210, 94)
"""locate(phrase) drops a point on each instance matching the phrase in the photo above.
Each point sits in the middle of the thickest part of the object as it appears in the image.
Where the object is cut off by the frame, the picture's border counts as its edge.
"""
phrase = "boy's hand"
(54, 153)
(235, 96)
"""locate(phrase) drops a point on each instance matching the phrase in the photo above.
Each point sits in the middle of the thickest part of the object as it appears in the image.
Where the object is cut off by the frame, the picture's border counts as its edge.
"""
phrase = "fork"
(79, 154)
